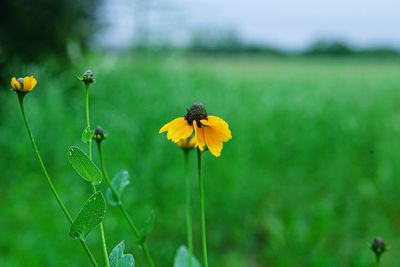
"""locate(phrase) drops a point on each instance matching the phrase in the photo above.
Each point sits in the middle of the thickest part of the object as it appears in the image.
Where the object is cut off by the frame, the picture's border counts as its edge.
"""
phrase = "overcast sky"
(283, 23)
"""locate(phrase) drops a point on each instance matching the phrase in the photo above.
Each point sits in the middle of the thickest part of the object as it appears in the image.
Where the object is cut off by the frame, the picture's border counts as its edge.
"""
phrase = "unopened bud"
(99, 135)
(87, 77)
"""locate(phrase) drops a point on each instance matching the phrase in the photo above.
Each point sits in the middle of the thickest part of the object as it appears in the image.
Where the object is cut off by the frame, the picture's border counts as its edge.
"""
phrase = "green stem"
(121, 205)
(88, 252)
(94, 189)
(49, 181)
(202, 210)
(378, 258)
(88, 119)
(147, 254)
(188, 206)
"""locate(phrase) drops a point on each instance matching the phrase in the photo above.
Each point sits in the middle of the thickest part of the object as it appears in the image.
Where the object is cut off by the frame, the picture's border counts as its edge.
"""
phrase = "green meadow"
(310, 177)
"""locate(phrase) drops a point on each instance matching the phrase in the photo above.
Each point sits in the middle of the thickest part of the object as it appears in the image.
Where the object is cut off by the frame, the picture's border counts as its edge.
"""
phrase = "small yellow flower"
(210, 131)
(23, 84)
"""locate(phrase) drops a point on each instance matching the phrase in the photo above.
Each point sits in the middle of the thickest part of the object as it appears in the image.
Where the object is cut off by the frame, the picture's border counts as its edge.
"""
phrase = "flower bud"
(378, 246)
(99, 135)
(87, 77)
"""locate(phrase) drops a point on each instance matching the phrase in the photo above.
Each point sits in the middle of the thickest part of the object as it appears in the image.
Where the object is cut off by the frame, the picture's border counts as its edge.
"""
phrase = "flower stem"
(202, 210)
(88, 119)
(188, 206)
(49, 181)
(378, 259)
(94, 189)
(122, 207)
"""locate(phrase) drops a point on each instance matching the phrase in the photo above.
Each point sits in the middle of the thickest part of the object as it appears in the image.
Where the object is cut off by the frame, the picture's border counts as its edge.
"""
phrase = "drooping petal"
(182, 133)
(199, 135)
(168, 125)
(213, 141)
(219, 126)
(15, 84)
(223, 131)
(176, 128)
(216, 120)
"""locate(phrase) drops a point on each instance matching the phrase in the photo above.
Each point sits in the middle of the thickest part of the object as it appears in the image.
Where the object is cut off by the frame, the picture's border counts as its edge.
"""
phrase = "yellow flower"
(27, 83)
(210, 131)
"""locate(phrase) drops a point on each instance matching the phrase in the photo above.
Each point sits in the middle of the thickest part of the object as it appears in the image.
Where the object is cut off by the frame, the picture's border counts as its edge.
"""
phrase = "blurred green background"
(309, 178)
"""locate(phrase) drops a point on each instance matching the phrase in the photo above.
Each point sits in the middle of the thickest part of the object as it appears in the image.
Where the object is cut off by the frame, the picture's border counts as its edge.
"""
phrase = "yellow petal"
(219, 126)
(216, 120)
(182, 133)
(15, 84)
(213, 140)
(175, 128)
(27, 83)
(34, 82)
(166, 126)
(199, 135)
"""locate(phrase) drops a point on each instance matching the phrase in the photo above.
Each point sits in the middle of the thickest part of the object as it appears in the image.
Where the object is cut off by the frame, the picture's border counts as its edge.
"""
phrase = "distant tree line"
(228, 42)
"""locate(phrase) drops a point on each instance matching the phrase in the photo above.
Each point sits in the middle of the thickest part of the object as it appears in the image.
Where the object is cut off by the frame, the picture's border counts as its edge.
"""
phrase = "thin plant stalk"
(49, 180)
(122, 207)
(188, 206)
(378, 260)
(202, 210)
(94, 189)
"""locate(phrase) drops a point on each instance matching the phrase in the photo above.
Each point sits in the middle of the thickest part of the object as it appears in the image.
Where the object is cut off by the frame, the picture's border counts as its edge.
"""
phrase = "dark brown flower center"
(196, 112)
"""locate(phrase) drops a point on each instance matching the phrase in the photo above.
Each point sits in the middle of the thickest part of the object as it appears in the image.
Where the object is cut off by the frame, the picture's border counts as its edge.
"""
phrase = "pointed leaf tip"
(119, 183)
(91, 214)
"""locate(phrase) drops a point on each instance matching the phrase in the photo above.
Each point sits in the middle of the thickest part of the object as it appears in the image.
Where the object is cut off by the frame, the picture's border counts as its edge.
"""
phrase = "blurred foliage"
(309, 178)
(31, 30)
(341, 48)
(227, 41)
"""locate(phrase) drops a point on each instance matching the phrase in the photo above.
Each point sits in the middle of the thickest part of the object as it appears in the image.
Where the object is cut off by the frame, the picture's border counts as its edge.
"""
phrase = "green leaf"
(148, 225)
(84, 166)
(147, 228)
(119, 259)
(87, 135)
(119, 183)
(91, 214)
(182, 258)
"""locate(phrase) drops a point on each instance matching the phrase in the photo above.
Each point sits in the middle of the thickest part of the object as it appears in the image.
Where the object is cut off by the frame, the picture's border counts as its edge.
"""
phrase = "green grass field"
(310, 177)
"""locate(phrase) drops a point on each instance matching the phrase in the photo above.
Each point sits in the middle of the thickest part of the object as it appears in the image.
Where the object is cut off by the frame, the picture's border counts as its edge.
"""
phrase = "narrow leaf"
(147, 228)
(84, 166)
(91, 214)
(119, 183)
(182, 258)
(87, 135)
(119, 259)
(148, 225)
